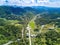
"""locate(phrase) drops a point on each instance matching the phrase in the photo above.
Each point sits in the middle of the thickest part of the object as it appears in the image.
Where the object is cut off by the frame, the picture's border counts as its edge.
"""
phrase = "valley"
(29, 25)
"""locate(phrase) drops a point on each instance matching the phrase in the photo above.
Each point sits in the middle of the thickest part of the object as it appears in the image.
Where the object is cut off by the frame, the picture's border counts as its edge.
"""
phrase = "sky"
(49, 3)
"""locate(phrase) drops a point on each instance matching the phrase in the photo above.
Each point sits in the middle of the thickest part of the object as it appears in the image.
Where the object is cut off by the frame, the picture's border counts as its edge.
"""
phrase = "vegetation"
(45, 29)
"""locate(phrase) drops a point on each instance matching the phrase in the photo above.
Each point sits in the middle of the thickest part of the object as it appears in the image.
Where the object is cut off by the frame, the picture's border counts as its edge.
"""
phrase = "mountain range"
(21, 10)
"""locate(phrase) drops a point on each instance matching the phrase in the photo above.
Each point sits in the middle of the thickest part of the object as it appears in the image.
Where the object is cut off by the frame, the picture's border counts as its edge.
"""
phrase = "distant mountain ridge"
(21, 10)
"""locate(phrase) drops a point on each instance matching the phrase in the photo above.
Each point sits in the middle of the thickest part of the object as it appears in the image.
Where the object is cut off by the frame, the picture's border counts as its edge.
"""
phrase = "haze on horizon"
(49, 3)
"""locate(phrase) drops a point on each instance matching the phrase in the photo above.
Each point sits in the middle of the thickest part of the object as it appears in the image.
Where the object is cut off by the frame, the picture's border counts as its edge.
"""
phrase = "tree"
(52, 37)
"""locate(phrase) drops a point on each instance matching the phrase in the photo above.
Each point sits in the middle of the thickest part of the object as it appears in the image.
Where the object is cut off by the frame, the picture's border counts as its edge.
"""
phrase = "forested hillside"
(43, 23)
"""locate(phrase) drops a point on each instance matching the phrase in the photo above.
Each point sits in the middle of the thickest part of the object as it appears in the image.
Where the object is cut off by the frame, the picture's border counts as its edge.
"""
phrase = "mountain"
(46, 9)
(21, 10)
(10, 9)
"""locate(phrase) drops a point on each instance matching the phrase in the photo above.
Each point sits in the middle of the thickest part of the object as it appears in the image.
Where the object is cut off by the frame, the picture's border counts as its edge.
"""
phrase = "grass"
(32, 24)
(3, 41)
(58, 29)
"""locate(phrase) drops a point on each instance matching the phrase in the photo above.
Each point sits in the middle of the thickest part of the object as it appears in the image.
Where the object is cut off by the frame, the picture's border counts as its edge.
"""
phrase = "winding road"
(29, 28)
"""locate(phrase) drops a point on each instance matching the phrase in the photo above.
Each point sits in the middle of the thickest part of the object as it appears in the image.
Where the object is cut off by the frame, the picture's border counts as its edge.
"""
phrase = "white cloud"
(2, 2)
(51, 3)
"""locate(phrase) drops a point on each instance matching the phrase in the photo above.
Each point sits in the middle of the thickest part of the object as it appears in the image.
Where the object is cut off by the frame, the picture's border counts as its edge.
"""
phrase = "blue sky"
(49, 3)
